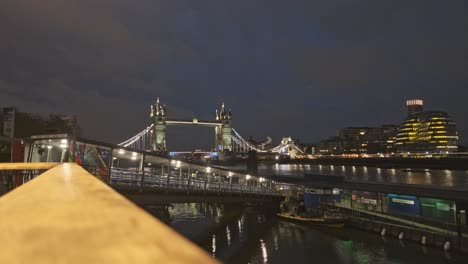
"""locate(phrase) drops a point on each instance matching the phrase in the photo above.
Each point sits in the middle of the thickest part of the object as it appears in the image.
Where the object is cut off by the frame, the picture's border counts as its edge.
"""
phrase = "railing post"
(110, 164)
(258, 187)
(161, 176)
(206, 178)
(219, 182)
(142, 182)
(168, 174)
(181, 178)
(189, 177)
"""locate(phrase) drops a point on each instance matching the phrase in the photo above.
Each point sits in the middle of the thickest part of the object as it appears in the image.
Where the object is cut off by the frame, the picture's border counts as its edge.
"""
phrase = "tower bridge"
(227, 139)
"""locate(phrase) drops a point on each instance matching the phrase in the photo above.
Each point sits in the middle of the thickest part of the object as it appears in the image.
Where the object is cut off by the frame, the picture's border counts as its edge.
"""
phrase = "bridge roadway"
(458, 194)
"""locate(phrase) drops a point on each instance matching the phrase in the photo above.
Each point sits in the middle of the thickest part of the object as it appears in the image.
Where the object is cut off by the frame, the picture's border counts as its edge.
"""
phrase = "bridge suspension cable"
(237, 138)
(246, 145)
(140, 140)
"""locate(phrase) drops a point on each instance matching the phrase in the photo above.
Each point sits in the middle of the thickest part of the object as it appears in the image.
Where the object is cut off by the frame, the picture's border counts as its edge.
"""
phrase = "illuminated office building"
(360, 140)
(426, 131)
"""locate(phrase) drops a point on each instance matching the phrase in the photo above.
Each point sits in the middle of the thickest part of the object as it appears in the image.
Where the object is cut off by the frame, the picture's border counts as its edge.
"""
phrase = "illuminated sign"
(402, 201)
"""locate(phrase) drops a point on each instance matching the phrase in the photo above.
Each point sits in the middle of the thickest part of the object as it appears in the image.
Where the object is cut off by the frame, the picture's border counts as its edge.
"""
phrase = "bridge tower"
(158, 117)
(223, 133)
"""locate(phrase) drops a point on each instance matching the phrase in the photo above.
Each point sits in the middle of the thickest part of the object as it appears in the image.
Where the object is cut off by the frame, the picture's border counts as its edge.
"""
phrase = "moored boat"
(319, 221)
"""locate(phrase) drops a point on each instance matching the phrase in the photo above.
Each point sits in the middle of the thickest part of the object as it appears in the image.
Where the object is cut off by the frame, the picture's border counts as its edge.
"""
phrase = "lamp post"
(208, 170)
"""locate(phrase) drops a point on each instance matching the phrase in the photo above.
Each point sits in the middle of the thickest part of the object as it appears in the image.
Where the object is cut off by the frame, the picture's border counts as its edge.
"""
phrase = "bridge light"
(149, 164)
(208, 169)
(277, 157)
(121, 151)
(230, 174)
(247, 177)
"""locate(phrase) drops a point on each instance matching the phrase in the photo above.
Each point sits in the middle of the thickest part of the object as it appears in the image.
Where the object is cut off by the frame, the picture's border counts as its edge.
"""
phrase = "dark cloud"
(301, 68)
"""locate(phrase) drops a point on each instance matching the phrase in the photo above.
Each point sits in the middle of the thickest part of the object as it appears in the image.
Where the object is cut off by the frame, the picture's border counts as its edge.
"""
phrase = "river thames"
(255, 235)
(447, 178)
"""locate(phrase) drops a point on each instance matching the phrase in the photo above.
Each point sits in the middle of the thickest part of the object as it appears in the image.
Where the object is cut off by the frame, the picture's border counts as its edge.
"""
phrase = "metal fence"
(185, 183)
(9, 179)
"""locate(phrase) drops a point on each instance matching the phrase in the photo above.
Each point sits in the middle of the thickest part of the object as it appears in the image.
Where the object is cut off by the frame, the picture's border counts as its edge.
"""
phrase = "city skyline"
(300, 69)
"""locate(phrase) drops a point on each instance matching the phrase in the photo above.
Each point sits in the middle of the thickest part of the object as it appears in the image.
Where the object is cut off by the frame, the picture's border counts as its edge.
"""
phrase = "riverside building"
(426, 131)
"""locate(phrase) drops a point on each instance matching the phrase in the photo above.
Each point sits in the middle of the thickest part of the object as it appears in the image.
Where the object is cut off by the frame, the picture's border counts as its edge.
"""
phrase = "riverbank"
(448, 163)
(447, 238)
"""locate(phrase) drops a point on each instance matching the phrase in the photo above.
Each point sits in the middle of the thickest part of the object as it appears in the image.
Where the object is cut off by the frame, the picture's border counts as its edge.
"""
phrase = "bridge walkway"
(181, 183)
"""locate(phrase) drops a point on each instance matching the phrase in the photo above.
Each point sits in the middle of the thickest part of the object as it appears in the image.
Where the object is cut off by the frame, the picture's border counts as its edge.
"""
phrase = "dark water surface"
(448, 178)
(255, 235)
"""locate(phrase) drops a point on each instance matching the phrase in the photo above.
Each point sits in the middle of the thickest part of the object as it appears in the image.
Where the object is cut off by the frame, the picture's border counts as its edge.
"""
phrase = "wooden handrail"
(27, 166)
(66, 215)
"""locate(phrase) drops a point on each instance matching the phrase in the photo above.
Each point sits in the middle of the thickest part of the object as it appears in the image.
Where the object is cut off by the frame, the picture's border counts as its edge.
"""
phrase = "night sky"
(286, 68)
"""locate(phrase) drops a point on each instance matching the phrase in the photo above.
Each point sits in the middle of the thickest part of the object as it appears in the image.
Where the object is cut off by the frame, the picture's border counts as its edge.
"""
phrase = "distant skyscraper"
(414, 106)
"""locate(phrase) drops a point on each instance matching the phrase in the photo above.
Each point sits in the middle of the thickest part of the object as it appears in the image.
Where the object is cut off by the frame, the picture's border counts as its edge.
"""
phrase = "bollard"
(423, 240)
(447, 246)
(401, 236)
(383, 232)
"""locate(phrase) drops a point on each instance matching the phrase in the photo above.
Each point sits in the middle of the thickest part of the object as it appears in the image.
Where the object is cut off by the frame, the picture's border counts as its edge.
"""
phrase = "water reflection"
(213, 245)
(228, 235)
(242, 238)
(264, 251)
(428, 178)
(447, 178)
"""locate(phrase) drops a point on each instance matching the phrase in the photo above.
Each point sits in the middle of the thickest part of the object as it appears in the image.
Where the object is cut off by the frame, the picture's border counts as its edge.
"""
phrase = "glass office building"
(427, 131)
